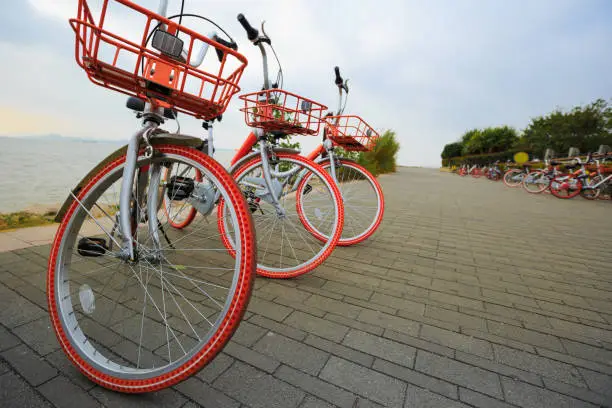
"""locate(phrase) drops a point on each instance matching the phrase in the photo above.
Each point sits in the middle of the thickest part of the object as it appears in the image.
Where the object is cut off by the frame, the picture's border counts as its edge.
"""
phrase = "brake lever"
(345, 86)
(264, 37)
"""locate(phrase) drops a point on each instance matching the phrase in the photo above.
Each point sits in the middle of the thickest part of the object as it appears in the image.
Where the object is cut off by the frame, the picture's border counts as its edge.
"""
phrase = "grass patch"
(23, 219)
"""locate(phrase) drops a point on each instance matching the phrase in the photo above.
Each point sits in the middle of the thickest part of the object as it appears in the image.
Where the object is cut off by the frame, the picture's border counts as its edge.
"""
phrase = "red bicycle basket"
(351, 133)
(129, 64)
(275, 110)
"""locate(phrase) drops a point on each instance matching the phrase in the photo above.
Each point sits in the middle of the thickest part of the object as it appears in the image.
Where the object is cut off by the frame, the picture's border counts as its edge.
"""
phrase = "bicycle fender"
(257, 153)
(159, 137)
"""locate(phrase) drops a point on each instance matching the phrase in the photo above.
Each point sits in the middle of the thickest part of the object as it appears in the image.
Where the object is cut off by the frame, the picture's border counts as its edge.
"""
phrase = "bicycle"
(594, 185)
(362, 194)
(580, 181)
(493, 172)
(538, 181)
(280, 186)
(514, 177)
(135, 305)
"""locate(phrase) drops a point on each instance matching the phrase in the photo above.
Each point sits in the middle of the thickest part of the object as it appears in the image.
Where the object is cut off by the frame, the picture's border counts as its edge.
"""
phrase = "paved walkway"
(470, 294)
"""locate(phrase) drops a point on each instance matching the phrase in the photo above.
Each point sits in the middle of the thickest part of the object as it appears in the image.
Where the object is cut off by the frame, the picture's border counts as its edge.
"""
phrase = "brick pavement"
(470, 295)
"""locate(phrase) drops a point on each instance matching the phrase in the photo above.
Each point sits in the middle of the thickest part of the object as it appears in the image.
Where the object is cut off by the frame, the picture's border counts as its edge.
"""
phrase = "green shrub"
(383, 157)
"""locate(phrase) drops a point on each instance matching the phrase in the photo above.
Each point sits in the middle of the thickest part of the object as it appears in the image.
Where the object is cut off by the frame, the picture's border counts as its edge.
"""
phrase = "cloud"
(429, 70)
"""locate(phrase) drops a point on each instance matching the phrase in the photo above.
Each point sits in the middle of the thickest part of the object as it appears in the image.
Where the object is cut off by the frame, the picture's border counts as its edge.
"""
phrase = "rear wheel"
(147, 323)
(178, 211)
(364, 204)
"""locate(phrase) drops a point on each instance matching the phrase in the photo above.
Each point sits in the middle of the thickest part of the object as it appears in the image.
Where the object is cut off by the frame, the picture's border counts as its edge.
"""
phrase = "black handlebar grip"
(339, 80)
(252, 33)
(227, 44)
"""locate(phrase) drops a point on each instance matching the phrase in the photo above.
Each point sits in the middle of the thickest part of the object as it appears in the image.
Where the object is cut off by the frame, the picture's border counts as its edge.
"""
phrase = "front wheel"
(536, 182)
(364, 203)
(513, 178)
(145, 323)
(286, 248)
(565, 187)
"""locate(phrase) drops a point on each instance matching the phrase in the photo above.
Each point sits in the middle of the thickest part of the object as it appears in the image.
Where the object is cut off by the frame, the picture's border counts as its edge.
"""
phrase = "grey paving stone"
(480, 400)
(38, 335)
(15, 310)
(334, 306)
(313, 385)
(318, 326)
(257, 389)
(462, 319)
(292, 353)
(419, 343)
(16, 393)
(390, 322)
(502, 369)
(347, 290)
(63, 393)
(598, 382)
(29, 365)
(279, 328)
(584, 330)
(381, 347)
(7, 339)
(167, 398)
(414, 377)
(251, 357)
(312, 402)
(33, 294)
(205, 395)
(540, 365)
(458, 373)
(370, 384)
(268, 309)
(458, 341)
(306, 308)
(577, 392)
(339, 350)
(576, 361)
(61, 363)
(215, 368)
(528, 396)
(284, 291)
(457, 300)
(420, 397)
(398, 303)
(248, 334)
(525, 336)
(369, 328)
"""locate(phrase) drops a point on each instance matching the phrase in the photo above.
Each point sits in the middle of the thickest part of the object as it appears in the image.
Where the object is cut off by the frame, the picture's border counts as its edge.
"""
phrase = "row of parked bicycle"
(589, 177)
(153, 264)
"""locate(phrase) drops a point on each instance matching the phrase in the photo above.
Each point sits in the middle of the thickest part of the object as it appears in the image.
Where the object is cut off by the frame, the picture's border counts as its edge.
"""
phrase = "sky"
(429, 70)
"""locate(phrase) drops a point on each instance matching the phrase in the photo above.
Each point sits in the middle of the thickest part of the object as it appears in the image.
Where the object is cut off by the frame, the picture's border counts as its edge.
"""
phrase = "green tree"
(584, 127)
(452, 150)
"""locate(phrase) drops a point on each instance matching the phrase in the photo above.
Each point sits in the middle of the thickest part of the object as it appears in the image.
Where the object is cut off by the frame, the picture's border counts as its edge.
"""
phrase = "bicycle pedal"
(92, 247)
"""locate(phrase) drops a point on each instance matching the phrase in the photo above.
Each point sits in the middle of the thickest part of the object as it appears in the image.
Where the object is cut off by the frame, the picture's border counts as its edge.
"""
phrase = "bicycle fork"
(128, 214)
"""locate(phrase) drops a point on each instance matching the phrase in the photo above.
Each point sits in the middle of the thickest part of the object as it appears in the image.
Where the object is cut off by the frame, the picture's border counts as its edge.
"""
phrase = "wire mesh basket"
(351, 133)
(129, 64)
(276, 110)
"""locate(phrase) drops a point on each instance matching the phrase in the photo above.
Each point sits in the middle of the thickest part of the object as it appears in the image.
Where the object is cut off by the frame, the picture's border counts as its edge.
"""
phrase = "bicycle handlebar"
(258, 40)
(252, 33)
(339, 80)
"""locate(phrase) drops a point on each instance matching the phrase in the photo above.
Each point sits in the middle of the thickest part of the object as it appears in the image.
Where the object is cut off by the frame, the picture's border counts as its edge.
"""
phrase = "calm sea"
(41, 172)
